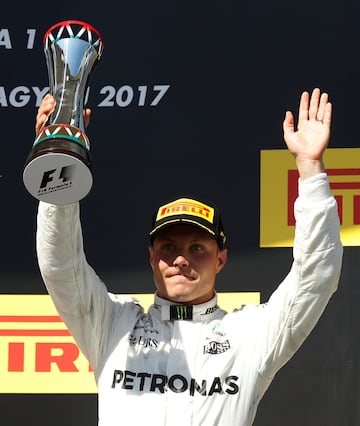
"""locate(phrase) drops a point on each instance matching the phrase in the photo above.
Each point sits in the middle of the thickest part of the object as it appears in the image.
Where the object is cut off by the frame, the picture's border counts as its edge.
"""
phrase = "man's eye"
(167, 247)
(197, 248)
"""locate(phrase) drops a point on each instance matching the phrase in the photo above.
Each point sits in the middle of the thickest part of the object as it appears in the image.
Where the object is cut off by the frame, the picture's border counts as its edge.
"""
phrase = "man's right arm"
(79, 295)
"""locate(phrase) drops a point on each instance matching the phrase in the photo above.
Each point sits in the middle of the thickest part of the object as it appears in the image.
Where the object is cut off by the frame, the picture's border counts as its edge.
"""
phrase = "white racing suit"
(210, 368)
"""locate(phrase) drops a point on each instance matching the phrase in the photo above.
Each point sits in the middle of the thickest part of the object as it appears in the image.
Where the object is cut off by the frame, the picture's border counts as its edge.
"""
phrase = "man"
(186, 361)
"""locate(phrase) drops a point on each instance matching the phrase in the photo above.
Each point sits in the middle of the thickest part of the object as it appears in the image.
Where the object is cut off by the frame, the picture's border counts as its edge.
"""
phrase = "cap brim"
(177, 221)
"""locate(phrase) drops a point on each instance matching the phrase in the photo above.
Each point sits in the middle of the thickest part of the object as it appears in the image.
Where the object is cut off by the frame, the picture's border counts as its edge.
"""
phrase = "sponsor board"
(38, 353)
(278, 191)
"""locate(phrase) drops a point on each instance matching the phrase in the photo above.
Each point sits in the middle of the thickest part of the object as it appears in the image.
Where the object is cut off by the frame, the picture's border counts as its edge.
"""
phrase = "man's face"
(185, 261)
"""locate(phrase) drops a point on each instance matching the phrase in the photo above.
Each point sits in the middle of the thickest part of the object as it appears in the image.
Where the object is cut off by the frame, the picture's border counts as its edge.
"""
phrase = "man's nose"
(180, 261)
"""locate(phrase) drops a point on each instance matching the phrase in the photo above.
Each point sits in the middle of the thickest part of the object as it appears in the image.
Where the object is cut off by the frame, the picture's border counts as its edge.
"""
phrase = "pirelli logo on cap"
(186, 206)
(279, 190)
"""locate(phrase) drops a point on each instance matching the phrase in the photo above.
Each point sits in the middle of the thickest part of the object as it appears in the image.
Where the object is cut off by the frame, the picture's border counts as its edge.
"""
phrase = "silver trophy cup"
(58, 167)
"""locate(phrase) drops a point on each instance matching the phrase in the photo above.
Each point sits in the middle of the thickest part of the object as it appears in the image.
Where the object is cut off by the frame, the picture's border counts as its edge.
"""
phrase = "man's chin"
(179, 295)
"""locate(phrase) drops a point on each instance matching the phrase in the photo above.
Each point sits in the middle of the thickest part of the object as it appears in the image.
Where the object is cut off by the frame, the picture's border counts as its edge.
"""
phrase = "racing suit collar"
(171, 311)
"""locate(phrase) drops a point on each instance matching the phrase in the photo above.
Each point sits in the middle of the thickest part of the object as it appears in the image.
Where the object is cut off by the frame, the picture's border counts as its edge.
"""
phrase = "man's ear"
(222, 259)
(151, 256)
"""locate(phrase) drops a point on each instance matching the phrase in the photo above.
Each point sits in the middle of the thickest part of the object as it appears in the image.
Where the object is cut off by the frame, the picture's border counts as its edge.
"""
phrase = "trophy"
(58, 168)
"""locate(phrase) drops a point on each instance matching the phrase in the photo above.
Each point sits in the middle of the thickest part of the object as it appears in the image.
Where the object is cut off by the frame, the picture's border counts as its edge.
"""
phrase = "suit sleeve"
(79, 295)
(296, 306)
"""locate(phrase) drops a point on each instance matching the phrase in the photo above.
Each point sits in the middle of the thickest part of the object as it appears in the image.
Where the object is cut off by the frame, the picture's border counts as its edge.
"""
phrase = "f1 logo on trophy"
(58, 168)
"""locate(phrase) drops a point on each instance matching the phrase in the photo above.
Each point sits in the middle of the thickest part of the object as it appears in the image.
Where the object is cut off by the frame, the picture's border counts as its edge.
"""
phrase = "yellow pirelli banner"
(279, 189)
(38, 353)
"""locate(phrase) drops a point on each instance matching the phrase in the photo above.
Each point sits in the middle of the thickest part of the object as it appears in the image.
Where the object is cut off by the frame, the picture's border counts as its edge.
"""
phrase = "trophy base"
(58, 171)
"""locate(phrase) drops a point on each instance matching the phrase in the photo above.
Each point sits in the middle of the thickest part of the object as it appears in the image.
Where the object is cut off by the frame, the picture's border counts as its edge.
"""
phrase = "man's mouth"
(181, 274)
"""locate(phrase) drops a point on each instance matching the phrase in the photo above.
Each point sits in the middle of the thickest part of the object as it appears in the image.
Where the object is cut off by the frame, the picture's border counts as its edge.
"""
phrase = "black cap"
(189, 211)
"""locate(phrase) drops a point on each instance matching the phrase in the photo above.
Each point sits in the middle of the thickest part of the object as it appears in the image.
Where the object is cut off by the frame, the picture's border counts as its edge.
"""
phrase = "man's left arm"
(296, 306)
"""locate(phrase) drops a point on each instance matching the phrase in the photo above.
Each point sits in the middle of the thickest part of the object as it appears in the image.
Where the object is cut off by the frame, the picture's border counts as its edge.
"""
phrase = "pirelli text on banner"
(39, 355)
(279, 190)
